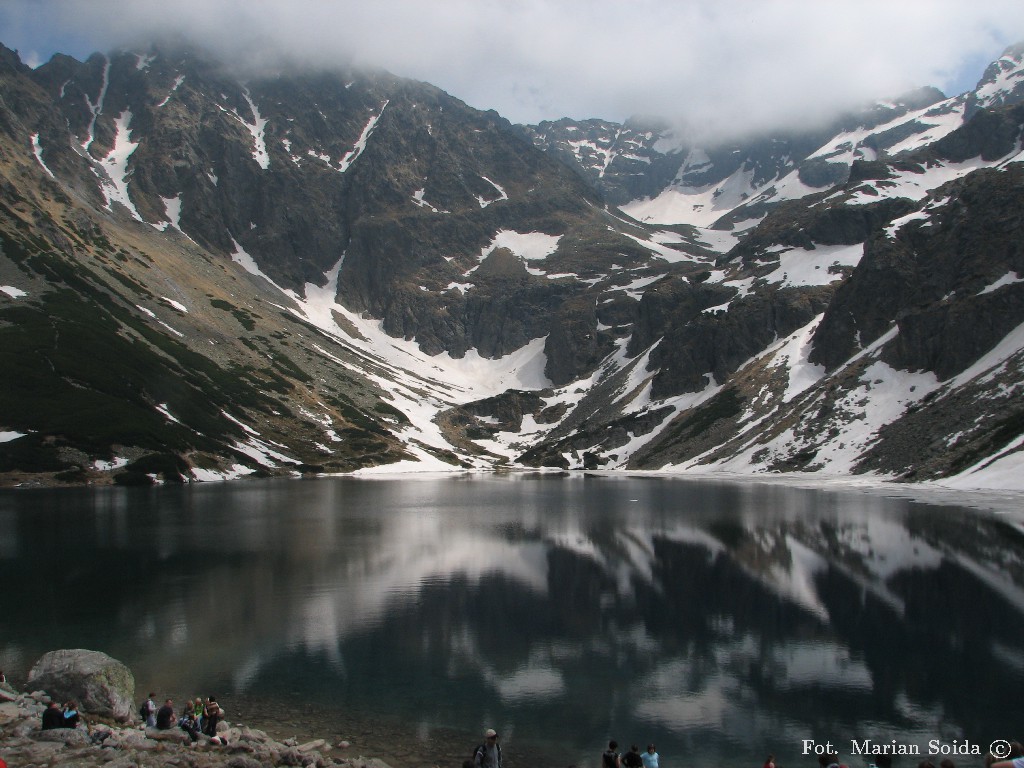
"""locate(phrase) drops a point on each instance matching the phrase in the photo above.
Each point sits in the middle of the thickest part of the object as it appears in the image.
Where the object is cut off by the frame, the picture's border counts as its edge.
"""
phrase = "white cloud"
(717, 64)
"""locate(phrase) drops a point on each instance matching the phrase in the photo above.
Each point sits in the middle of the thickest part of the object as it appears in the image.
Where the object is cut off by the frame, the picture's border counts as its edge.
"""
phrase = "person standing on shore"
(610, 758)
(211, 716)
(632, 758)
(148, 711)
(488, 754)
(650, 757)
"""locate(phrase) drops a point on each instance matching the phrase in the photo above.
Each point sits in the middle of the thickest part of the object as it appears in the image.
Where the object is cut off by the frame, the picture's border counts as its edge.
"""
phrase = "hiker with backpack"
(488, 754)
(148, 711)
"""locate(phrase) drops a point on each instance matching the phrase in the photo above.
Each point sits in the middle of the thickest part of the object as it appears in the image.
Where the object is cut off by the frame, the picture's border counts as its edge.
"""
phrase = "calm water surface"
(720, 621)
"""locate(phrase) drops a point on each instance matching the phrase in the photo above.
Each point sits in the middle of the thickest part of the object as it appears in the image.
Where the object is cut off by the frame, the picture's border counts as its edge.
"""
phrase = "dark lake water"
(720, 621)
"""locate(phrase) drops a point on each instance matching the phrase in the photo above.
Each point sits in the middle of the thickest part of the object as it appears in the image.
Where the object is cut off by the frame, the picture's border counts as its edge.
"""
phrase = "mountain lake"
(720, 620)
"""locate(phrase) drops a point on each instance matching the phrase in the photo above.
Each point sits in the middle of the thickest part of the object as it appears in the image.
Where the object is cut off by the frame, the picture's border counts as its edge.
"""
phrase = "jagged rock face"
(988, 135)
(796, 225)
(270, 164)
(269, 167)
(622, 162)
(930, 280)
(237, 172)
(710, 347)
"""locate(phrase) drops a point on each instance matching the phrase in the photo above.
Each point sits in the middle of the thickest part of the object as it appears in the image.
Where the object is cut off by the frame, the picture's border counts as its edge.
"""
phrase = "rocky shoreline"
(115, 745)
(112, 736)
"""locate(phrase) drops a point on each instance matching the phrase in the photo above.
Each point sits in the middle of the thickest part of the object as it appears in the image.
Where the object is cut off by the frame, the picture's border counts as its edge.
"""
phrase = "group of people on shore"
(488, 755)
(632, 759)
(196, 717)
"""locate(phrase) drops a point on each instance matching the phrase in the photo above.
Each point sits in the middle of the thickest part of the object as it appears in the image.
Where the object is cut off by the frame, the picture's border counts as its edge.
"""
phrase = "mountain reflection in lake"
(720, 621)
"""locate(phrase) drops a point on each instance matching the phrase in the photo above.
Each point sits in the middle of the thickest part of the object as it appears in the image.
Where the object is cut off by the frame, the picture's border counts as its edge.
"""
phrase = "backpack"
(143, 710)
(481, 750)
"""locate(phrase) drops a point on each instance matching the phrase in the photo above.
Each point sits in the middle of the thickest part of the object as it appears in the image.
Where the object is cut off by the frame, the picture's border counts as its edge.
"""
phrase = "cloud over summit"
(715, 65)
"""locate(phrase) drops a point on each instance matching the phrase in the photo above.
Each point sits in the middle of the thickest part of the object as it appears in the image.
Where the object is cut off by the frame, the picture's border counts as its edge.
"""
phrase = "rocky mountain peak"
(1002, 83)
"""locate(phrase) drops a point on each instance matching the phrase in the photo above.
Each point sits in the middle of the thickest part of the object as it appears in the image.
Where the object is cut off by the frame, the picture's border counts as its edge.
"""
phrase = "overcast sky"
(715, 63)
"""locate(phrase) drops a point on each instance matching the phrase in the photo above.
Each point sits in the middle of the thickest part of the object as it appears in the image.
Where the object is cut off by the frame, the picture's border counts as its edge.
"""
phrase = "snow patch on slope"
(258, 130)
(115, 164)
(418, 199)
(1008, 279)
(912, 185)
(37, 150)
(530, 246)
(352, 155)
(794, 354)
(820, 266)
(96, 107)
(699, 206)
(177, 84)
(172, 209)
(502, 195)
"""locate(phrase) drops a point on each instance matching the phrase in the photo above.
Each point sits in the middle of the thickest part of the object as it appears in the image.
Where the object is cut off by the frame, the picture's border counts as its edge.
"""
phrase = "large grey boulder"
(99, 684)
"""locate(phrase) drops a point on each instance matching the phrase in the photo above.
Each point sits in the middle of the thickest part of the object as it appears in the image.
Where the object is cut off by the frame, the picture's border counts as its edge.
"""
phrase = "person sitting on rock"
(197, 712)
(188, 723)
(71, 715)
(53, 717)
(165, 716)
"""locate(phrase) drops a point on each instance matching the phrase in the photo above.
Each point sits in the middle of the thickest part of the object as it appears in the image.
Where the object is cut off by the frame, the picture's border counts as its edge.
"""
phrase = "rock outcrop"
(99, 684)
(936, 279)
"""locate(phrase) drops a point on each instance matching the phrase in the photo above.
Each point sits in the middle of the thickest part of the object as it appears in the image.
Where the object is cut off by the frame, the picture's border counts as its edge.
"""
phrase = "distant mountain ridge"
(304, 272)
(660, 176)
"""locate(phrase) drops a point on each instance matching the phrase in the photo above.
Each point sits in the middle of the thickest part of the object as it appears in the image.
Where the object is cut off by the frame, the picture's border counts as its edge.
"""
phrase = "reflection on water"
(720, 621)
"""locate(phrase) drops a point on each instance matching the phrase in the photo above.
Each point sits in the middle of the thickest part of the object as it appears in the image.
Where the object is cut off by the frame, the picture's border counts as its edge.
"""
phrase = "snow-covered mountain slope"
(328, 272)
(657, 176)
